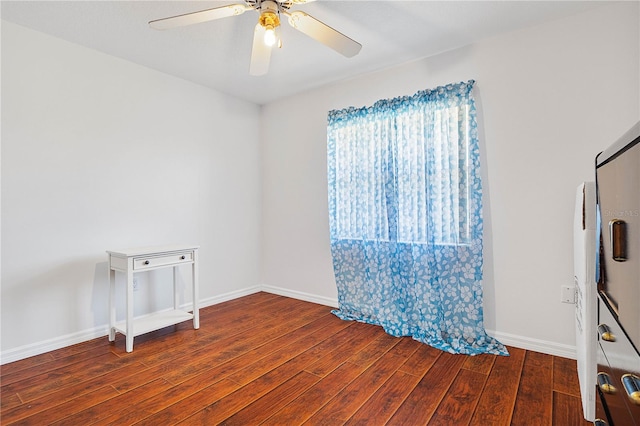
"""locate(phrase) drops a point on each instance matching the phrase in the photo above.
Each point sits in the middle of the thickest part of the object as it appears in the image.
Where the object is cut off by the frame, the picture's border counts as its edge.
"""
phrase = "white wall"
(99, 153)
(549, 97)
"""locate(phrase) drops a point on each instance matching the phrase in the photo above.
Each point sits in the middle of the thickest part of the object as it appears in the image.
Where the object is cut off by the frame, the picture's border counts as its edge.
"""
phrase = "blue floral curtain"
(405, 204)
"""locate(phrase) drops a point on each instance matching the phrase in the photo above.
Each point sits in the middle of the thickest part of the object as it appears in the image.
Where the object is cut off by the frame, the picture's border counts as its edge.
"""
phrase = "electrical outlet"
(136, 286)
(568, 294)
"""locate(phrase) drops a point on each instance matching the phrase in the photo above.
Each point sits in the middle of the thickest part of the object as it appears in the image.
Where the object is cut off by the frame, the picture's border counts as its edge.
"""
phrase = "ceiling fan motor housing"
(269, 18)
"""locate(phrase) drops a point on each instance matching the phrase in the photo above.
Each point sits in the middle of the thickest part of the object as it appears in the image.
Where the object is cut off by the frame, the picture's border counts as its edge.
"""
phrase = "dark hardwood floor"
(267, 359)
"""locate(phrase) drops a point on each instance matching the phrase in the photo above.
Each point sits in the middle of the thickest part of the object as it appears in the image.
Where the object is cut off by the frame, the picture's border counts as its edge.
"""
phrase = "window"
(402, 172)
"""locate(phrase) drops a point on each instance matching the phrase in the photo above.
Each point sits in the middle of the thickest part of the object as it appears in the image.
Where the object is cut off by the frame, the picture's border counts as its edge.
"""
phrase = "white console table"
(146, 259)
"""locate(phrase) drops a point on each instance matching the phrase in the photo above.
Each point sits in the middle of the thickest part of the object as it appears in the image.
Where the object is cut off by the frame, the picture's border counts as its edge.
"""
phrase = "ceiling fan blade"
(260, 53)
(198, 17)
(323, 33)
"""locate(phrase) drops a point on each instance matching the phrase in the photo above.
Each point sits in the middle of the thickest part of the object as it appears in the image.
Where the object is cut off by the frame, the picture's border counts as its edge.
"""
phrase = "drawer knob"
(605, 333)
(599, 422)
(146, 262)
(605, 385)
(631, 384)
(183, 257)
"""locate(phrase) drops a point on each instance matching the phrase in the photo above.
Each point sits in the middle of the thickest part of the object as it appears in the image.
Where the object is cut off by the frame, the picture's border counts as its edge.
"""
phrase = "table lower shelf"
(154, 321)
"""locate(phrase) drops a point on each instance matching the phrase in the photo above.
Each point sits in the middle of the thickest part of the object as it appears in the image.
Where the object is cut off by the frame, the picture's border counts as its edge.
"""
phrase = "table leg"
(112, 302)
(129, 325)
(176, 305)
(194, 279)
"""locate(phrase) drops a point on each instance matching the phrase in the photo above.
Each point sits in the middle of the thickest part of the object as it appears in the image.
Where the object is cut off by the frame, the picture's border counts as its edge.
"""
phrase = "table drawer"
(146, 262)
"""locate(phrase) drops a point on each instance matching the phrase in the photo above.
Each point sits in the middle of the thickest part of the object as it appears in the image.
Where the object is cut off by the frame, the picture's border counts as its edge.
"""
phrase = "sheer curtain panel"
(405, 205)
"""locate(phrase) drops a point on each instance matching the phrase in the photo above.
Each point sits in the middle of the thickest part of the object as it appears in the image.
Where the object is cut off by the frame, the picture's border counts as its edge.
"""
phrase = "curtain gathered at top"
(405, 205)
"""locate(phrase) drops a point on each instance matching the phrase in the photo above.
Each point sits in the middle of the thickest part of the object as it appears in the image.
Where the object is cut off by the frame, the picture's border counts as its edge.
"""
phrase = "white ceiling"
(216, 54)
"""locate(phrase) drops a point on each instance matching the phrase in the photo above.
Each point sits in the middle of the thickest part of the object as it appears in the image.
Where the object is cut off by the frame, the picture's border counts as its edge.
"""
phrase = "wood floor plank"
(52, 381)
(565, 376)
(535, 395)
(174, 395)
(423, 400)
(53, 364)
(568, 410)
(309, 402)
(352, 397)
(344, 346)
(90, 346)
(237, 400)
(96, 413)
(459, 403)
(421, 360)
(218, 352)
(25, 364)
(144, 375)
(9, 400)
(60, 411)
(284, 354)
(261, 409)
(374, 350)
(385, 401)
(219, 368)
(498, 398)
(186, 407)
(406, 347)
(482, 363)
(225, 350)
(283, 349)
(69, 393)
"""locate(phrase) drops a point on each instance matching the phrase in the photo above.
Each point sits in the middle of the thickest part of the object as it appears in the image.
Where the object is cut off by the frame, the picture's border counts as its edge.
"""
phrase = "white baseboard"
(307, 297)
(22, 352)
(543, 346)
(226, 297)
(26, 351)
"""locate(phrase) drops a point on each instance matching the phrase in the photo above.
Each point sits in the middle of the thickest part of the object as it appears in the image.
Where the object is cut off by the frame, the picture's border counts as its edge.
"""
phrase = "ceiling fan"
(266, 33)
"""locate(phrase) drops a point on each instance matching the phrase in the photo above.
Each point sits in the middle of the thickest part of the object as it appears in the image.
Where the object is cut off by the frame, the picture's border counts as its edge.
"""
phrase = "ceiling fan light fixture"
(270, 37)
(269, 21)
